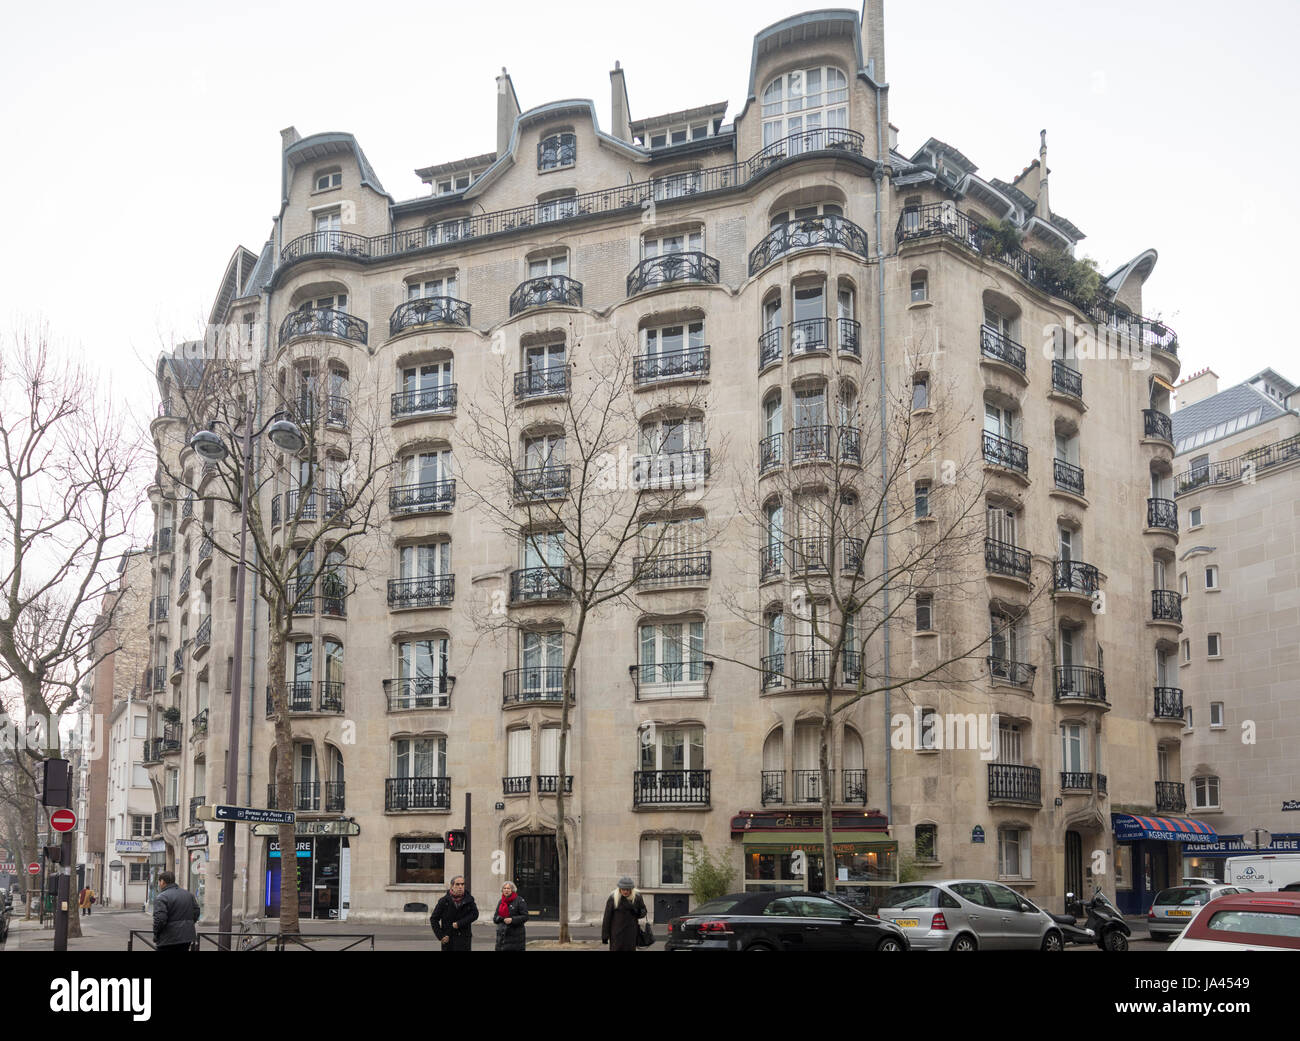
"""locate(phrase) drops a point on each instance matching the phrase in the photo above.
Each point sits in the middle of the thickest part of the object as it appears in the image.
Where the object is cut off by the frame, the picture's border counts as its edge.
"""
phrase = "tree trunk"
(561, 832)
(824, 765)
(275, 666)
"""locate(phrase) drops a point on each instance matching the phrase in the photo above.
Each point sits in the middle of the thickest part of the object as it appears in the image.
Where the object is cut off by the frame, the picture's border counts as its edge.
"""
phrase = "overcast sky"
(142, 139)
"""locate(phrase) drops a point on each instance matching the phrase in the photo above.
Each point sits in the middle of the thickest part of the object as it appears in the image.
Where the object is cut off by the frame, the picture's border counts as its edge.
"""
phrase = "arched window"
(328, 178)
(773, 562)
(774, 652)
(807, 102)
(774, 768)
(557, 151)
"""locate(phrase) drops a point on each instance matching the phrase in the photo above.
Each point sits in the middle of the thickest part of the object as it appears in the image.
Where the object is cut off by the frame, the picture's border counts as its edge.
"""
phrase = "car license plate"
(907, 923)
(1180, 914)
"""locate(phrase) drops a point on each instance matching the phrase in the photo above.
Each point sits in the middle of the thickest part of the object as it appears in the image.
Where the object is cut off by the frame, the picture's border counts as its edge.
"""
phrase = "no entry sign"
(33, 868)
(63, 820)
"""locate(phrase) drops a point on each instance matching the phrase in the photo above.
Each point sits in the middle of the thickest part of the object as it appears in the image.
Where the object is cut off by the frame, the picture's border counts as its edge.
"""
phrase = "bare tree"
(325, 502)
(69, 469)
(834, 491)
(557, 474)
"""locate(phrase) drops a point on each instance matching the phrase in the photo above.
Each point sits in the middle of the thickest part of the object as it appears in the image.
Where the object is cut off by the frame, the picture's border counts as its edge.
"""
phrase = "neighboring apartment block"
(782, 278)
(1237, 482)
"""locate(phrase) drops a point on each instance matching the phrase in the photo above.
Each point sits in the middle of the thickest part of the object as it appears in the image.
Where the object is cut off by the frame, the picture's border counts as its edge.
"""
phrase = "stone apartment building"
(786, 261)
(1238, 490)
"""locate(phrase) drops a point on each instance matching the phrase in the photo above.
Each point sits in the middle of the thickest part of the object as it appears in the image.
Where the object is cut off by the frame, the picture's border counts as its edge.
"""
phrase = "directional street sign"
(246, 814)
(63, 820)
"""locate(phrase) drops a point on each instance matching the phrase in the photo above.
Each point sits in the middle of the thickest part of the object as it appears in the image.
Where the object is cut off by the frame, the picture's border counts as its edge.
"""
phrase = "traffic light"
(56, 783)
(457, 841)
(54, 854)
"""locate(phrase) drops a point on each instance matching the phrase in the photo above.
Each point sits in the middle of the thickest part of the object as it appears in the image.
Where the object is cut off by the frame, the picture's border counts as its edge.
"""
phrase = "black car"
(781, 922)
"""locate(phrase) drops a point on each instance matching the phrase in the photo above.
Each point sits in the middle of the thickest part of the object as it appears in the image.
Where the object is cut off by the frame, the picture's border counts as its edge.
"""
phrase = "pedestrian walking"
(453, 915)
(624, 910)
(85, 898)
(174, 913)
(511, 918)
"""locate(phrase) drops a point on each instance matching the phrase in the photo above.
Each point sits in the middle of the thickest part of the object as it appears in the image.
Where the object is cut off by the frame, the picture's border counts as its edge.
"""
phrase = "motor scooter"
(1071, 930)
(1104, 919)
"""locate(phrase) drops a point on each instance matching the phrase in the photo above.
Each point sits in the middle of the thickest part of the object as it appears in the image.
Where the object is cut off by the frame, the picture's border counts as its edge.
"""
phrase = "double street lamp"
(209, 447)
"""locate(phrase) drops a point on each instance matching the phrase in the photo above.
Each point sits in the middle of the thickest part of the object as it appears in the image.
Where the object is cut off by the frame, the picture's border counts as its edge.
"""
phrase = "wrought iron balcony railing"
(1166, 606)
(690, 266)
(330, 697)
(676, 787)
(411, 692)
(1019, 673)
(540, 583)
(424, 591)
(429, 401)
(851, 551)
(417, 793)
(322, 321)
(1067, 476)
(537, 683)
(771, 787)
(545, 382)
(299, 506)
(1001, 451)
(171, 737)
(1014, 783)
(771, 562)
(1066, 380)
(811, 553)
(205, 550)
(850, 338)
(693, 362)
(153, 750)
(1074, 576)
(305, 796)
(809, 336)
(1169, 703)
(430, 497)
(1005, 559)
(1156, 424)
(540, 483)
(159, 679)
(301, 594)
(770, 453)
(338, 411)
(195, 803)
(671, 469)
(547, 784)
(1234, 469)
(672, 569)
(772, 667)
(1170, 797)
(808, 785)
(809, 667)
(1162, 513)
(199, 724)
(171, 813)
(1000, 347)
(164, 542)
(545, 291)
(203, 634)
(808, 233)
(275, 509)
(1079, 683)
(428, 310)
(1077, 781)
(184, 586)
(517, 785)
(672, 679)
(158, 609)
(178, 659)
(769, 348)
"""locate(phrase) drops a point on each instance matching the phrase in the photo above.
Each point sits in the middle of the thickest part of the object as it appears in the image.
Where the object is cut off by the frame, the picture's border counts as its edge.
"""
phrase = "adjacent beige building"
(785, 266)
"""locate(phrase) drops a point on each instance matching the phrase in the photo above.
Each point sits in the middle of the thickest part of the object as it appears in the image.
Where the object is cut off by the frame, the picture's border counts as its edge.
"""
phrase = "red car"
(1244, 922)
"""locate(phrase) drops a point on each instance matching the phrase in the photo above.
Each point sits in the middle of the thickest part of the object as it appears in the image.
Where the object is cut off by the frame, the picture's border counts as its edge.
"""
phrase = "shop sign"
(1290, 804)
(1236, 844)
(140, 845)
(842, 820)
(197, 839)
(420, 847)
(270, 831)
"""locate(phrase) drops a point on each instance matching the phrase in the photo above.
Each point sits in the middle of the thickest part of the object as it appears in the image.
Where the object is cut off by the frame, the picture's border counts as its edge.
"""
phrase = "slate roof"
(1222, 407)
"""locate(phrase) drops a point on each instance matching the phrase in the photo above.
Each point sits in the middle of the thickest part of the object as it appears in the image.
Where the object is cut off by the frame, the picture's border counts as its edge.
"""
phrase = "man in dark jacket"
(623, 912)
(174, 913)
(511, 918)
(452, 917)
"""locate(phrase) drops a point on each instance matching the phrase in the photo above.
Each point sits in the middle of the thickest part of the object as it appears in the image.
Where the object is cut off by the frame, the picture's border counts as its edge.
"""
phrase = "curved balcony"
(810, 336)
(691, 363)
(426, 591)
(1074, 576)
(671, 470)
(541, 483)
(687, 267)
(158, 609)
(1080, 781)
(546, 382)
(546, 291)
(323, 321)
(1002, 558)
(430, 401)
(771, 455)
(1067, 477)
(430, 497)
(1166, 606)
(1169, 704)
(1078, 683)
(1001, 348)
(772, 667)
(1158, 425)
(1170, 797)
(417, 692)
(538, 683)
(203, 634)
(771, 562)
(679, 679)
(1066, 380)
(1017, 673)
(826, 230)
(849, 336)
(428, 310)
(1162, 513)
(769, 348)
(1009, 782)
(1002, 451)
(539, 584)
(299, 506)
(674, 569)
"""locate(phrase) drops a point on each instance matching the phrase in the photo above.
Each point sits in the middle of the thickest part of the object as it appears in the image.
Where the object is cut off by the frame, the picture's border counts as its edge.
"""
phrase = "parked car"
(969, 915)
(1244, 922)
(1172, 909)
(1201, 882)
(781, 922)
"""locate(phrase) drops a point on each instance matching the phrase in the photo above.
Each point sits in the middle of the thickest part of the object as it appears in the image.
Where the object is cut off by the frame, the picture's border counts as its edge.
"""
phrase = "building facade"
(1238, 489)
(804, 276)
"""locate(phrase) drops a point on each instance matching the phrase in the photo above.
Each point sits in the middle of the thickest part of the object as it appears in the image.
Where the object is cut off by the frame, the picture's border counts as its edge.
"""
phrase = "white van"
(1263, 872)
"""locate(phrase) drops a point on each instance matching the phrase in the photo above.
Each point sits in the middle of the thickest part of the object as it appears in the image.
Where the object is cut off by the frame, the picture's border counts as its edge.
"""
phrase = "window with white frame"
(139, 776)
(1182, 584)
(1194, 517)
(671, 659)
(444, 285)
(329, 231)
(1013, 853)
(427, 560)
(551, 264)
(673, 748)
(1212, 576)
(1010, 749)
(679, 134)
(1074, 748)
(1216, 714)
(139, 871)
(1007, 643)
(419, 757)
(804, 102)
(1187, 651)
(452, 183)
(541, 657)
(1213, 647)
(677, 242)
(674, 340)
(519, 756)
(447, 231)
(1205, 792)
(1188, 721)
(426, 468)
(422, 674)
(664, 860)
(141, 826)
(327, 179)
(336, 302)
(677, 185)
(550, 766)
(558, 205)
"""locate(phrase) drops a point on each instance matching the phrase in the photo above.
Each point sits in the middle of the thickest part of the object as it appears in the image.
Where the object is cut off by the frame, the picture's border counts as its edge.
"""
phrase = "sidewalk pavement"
(110, 931)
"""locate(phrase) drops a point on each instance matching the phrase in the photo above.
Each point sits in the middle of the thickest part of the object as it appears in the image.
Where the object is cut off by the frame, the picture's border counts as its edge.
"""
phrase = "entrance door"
(537, 874)
(325, 883)
(1074, 865)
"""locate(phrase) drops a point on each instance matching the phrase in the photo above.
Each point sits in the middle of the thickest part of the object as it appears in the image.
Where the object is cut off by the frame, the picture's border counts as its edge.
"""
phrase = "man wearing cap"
(623, 911)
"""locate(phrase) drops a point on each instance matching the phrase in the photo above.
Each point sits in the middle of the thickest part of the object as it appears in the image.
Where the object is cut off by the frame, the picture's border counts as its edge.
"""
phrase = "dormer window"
(327, 179)
(448, 185)
(679, 135)
(807, 102)
(557, 151)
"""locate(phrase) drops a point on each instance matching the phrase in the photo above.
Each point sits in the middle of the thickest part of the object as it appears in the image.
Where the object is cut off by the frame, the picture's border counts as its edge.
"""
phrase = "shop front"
(322, 863)
(1208, 859)
(1148, 855)
(785, 851)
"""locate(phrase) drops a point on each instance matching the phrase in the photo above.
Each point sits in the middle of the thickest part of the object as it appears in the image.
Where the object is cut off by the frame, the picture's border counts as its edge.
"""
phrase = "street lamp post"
(209, 447)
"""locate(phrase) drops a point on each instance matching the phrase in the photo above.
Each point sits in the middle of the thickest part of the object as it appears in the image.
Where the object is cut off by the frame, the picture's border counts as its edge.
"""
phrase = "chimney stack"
(507, 111)
(289, 136)
(620, 117)
(1042, 211)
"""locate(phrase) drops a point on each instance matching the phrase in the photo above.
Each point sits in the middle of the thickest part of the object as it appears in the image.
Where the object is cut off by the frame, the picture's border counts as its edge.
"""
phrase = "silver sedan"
(968, 915)
(1172, 909)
